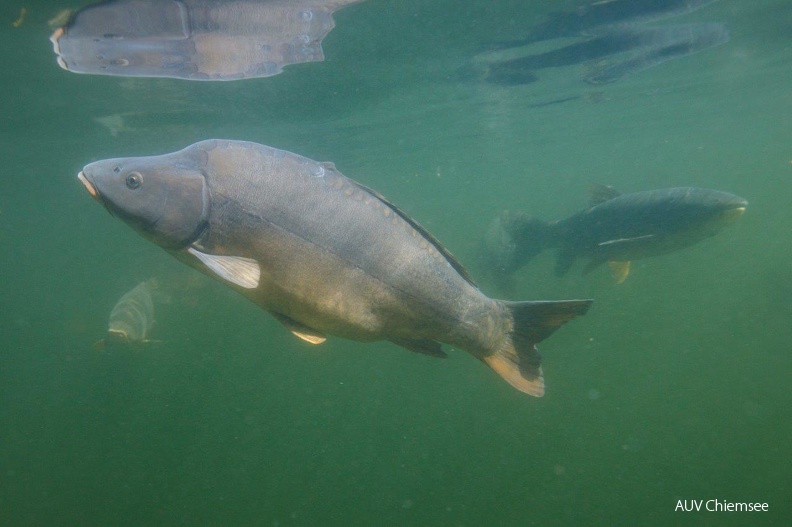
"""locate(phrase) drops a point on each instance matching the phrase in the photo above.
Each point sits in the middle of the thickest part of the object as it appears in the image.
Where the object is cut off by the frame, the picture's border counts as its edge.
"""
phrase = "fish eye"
(134, 180)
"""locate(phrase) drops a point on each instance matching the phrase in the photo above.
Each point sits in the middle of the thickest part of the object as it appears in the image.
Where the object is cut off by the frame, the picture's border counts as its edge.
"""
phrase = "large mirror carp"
(322, 253)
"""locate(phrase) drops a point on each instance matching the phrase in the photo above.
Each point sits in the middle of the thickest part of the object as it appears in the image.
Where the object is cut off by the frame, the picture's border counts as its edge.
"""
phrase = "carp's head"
(165, 198)
(708, 211)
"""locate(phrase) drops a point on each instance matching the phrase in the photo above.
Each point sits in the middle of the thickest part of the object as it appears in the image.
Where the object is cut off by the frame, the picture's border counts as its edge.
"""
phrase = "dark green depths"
(322, 253)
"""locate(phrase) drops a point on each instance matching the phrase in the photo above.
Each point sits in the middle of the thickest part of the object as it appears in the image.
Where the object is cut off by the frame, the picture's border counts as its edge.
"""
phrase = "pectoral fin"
(299, 330)
(244, 272)
(626, 241)
(619, 270)
(425, 346)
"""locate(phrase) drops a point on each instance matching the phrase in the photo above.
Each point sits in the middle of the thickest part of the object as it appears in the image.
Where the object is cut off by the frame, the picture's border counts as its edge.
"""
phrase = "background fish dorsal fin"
(423, 232)
(599, 193)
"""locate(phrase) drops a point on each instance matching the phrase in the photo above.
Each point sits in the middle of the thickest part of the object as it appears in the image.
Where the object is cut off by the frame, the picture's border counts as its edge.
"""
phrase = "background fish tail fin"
(516, 359)
(530, 236)
(514, 238)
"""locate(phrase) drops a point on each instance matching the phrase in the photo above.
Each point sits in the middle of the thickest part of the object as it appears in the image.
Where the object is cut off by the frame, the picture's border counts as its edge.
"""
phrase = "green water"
(674, 387)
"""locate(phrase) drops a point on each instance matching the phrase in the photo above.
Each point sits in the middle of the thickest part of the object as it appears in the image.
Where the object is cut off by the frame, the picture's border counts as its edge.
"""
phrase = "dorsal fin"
(423, 232)
(599, 193)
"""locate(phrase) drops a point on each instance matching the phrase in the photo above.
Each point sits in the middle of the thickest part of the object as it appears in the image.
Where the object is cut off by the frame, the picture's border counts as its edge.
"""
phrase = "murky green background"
(675, 386)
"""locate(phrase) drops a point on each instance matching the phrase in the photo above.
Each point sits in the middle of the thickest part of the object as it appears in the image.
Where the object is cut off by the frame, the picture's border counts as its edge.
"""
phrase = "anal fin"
(424, 346)
(299, 330)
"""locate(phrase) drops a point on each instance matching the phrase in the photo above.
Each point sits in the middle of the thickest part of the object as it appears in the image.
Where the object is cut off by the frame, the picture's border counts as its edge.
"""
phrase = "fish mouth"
(118, 333)
(55, 39)
(731, 215)
(89, 187)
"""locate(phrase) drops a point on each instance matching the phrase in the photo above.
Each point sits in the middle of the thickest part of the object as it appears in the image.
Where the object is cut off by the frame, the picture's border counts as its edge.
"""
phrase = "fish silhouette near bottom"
(131, 319)
(616, 229)
(322, 253)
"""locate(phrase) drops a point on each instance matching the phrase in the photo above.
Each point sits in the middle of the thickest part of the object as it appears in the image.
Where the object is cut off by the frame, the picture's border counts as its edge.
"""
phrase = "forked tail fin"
(513, 239)
(516, 359)
(531, 235)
